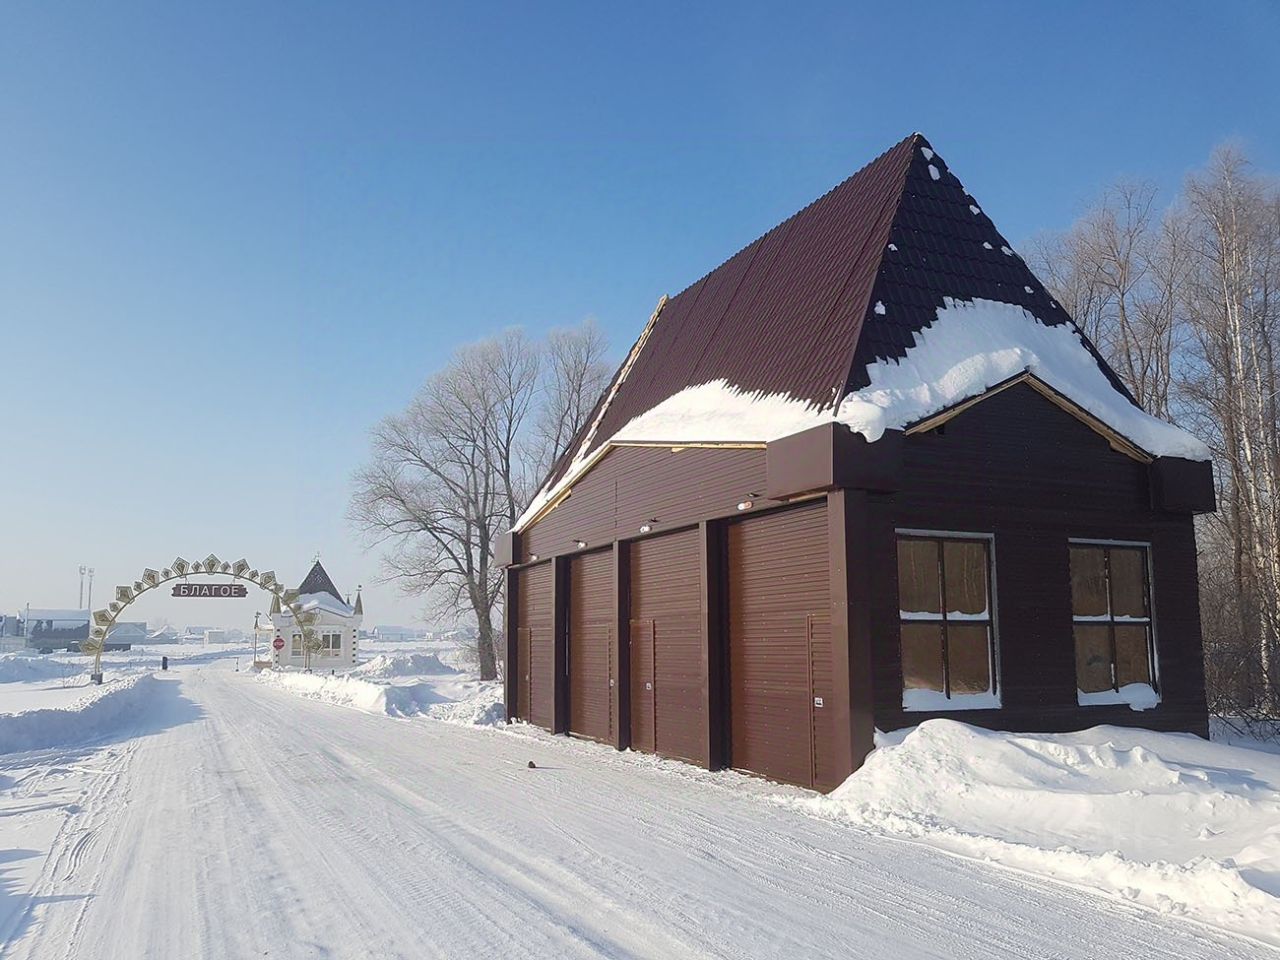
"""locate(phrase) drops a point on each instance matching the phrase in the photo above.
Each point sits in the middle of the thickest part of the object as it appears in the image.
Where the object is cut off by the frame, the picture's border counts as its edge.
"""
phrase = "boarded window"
(1111, 613)
(945, 616)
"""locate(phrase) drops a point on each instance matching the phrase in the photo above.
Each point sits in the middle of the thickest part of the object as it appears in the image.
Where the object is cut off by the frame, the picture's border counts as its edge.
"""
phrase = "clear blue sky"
(235, 235)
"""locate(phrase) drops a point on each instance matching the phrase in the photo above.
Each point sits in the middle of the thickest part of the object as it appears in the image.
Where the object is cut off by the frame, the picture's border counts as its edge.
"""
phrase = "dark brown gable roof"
(317, 581)
(796, 313)
(781, 315)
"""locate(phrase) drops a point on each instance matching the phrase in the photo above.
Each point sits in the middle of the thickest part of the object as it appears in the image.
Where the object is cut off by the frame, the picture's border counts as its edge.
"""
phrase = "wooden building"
(865, 473)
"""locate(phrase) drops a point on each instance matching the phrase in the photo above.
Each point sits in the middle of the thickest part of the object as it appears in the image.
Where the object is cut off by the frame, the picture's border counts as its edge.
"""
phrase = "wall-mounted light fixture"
(746, 504)
(580, 543)
(645, 528)
(533, 556)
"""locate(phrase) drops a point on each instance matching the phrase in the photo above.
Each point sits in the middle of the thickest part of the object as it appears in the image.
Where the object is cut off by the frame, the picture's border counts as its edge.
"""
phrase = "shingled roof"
(805, 310)
(317, 581)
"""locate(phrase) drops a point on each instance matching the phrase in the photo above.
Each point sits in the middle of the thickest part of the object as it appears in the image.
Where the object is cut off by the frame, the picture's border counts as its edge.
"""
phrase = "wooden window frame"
(1148, 584)
(940, 537)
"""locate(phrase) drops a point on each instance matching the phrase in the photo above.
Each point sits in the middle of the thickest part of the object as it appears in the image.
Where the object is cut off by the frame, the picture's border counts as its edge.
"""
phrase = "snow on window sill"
(934, 701)
(1138, 697)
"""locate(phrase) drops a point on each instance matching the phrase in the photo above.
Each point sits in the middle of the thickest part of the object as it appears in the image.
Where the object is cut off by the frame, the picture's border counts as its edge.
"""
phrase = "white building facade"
(337, 626)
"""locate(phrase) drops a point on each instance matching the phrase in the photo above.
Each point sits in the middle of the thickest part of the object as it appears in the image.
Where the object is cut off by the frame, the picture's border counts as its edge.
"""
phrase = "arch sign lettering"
(181, 570)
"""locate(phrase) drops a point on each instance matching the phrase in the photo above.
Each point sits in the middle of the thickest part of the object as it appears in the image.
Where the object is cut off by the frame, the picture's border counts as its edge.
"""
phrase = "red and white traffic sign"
(278, 643)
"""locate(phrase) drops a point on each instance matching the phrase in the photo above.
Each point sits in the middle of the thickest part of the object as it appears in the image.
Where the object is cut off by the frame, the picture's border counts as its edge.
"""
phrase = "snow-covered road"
(240, 820)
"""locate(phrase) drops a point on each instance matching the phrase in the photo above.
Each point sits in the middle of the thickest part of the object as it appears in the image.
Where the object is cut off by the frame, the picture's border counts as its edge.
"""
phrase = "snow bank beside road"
(23, 668)
(402, 665)
(96, 713)
(450, 697)
(1167, 821)
(347, 691)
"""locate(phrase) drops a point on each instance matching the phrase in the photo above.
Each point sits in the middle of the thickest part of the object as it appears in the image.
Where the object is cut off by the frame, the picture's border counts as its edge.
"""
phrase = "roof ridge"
(885, 228)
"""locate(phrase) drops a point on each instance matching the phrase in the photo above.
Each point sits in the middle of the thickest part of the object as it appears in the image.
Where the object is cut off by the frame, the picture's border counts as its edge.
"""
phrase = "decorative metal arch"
(104, 620)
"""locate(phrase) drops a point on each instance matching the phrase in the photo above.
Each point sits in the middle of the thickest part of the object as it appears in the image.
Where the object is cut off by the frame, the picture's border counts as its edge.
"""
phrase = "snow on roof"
(56, 614)
(970, 347)
(319, 601)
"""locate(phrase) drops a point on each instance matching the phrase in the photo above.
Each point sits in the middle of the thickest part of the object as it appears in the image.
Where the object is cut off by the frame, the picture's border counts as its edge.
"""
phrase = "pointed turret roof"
(805, 311)
(275, 605)
(318, 581)
(359, 607)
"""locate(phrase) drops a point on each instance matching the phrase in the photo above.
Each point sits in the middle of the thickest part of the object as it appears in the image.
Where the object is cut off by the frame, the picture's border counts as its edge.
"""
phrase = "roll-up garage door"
(535, 651)
(590, 653)
(780, 678)
(668, 681)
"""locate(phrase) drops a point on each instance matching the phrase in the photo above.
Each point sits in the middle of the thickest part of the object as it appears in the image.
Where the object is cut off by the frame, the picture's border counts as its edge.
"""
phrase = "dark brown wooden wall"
(637, 485)
(1020, 468)
(535, 625)
(590, 644)
(668, 681)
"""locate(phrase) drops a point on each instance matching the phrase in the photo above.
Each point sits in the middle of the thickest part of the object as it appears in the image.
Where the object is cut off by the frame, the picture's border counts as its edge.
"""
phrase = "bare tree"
(575, 376)
(1116, 271)
(455, 469)
(443, 481)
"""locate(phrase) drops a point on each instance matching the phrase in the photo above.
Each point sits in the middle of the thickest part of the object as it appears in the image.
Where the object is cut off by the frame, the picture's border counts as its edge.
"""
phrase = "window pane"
(918, 577)
(922, 656)
(1128, 582)
(1133, 664)
(969, 653)
(965, 564)
(1088, 582)
(1093, 657)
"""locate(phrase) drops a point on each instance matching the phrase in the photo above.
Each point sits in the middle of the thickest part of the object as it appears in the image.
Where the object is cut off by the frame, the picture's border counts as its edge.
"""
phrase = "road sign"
(278, 643)
(213, 590)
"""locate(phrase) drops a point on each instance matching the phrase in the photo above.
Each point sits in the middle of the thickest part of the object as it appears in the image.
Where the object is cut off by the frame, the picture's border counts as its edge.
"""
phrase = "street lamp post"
(256, 615)
(83, 569)
(90, 589)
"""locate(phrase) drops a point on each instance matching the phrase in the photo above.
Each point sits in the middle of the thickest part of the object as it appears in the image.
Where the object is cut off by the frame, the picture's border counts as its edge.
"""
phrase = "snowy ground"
(234, 816)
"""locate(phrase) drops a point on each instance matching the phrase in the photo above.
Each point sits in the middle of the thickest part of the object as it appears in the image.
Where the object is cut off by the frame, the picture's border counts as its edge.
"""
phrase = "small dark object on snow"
(532, 765)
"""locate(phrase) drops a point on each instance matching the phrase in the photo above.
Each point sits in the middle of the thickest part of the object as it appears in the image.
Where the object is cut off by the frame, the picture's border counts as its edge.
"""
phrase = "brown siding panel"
(780, 644)
(534, 625)
(590, 645)
(632, 486)
(668, 678)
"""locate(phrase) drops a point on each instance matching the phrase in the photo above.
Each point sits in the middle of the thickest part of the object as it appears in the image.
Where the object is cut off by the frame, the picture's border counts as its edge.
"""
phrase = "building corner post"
(851, 539)
(511, 666)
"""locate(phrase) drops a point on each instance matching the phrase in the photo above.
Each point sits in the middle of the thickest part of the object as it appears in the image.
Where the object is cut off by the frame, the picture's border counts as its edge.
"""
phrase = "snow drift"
(99, 711)
(347, 691)
(22, 668)
(402, 665)
(1168, 821)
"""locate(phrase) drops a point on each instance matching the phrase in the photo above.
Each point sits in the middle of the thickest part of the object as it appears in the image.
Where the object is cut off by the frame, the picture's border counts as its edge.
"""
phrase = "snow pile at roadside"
(470, 703)
(402, 665)
(21, 668)
(391, 700)
(96, 713)
(1164, 820)
(449, 697)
